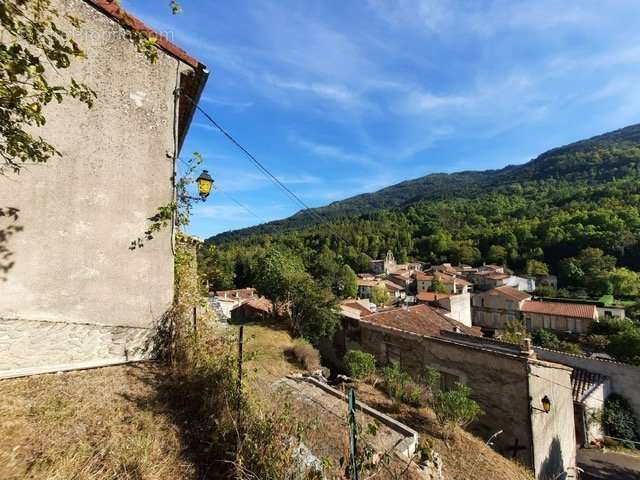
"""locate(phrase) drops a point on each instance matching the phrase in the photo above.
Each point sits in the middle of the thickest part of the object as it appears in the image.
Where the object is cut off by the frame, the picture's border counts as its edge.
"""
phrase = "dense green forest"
(573, 211)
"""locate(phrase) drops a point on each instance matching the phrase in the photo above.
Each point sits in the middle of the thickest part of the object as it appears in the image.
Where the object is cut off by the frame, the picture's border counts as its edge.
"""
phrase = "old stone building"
(508, 382)
(494, 309)
(77, 295)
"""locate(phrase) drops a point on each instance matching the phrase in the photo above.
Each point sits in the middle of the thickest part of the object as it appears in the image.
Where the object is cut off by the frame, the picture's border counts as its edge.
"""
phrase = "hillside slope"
(579, 161)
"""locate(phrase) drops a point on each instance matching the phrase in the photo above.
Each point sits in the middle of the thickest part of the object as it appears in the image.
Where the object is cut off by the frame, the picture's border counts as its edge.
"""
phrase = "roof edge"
(116, 12)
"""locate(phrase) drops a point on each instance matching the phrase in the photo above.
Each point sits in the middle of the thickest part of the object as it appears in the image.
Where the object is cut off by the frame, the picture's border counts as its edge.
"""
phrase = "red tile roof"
(584, 382)
(431, 296)
(509, 292)
(115, 11)
(261, 304)
(560, 309)
(420, 319)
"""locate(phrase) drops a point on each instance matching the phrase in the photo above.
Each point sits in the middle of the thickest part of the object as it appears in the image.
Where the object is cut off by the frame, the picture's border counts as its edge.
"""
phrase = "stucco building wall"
(80, 212)
(553, 432)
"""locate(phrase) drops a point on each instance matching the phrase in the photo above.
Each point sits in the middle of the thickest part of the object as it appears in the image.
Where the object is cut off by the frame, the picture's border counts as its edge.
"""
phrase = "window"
(482, 301)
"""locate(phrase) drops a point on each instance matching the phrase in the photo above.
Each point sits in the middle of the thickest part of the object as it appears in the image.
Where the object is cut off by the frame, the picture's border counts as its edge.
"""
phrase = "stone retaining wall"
(28, 347)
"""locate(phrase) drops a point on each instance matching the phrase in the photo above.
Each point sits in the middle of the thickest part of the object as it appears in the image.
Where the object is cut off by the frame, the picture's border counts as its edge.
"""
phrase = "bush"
(546, 339)
(514, 331)
(610, 326)
(305, 354)
(401, 388)
(625, 346)
(360, 365)
(570, 347)
(455, 408)
(619, 420)
(596, 342)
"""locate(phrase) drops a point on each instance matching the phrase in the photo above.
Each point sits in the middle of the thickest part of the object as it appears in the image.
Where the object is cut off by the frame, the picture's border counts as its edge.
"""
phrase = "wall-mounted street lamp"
(205, 184)
(546, 405)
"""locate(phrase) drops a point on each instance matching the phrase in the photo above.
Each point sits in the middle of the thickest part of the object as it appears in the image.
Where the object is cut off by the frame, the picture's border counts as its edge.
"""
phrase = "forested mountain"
(597, 159)
(573, 211)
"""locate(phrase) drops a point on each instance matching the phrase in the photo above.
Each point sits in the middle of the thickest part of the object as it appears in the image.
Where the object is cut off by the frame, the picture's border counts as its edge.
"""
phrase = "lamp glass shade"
(205, 183)
(546, 404)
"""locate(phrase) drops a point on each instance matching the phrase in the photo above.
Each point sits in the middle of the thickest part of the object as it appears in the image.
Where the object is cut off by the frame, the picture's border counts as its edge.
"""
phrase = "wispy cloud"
(234, 105)
(332, 152)
(334, 92)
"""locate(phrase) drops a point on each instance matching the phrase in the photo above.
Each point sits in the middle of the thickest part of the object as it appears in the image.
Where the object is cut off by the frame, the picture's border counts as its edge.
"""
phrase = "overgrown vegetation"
(360, 365)
(304, 353)
(245, 438)
(619, 421)
(455, 408)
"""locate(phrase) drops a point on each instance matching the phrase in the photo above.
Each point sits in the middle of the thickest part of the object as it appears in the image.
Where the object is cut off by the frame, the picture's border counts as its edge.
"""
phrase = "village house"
(254, 309)
(507, 380)
(454, 284)
(457, 306)
(224, 301)
(560, 316)
(77, 296)
(493, 309)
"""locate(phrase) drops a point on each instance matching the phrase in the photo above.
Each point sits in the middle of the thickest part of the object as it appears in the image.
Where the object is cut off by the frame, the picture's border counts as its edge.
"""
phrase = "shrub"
(596, 342)
(619, 420)
(625, 346)
(305, 354)
(514, 332)
(360, 365)
(570, 347)
(455, 408)
(610, 326)
(401, 388)
(546, 339)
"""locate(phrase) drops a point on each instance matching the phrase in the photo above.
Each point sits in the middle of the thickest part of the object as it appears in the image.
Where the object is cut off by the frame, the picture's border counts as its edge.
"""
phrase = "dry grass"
(305, 354)
(96, 424)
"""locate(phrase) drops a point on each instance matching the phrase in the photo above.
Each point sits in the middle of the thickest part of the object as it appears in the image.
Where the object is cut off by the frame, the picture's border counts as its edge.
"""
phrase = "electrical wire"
(264, 170)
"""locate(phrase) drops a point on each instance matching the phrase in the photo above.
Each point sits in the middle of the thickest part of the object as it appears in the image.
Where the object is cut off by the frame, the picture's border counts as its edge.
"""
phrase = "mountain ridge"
(563, 162)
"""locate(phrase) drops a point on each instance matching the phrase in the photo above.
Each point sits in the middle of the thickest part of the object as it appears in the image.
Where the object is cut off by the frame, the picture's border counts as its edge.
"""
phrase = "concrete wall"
(80, 212)
(554, 442)
(624, 379)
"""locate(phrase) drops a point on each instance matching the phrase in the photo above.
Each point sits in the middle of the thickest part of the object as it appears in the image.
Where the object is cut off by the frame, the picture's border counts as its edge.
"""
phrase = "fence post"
(353, 432)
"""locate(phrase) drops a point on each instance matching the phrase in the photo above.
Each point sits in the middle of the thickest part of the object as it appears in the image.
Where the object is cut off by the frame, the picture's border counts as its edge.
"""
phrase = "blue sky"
(340, 98)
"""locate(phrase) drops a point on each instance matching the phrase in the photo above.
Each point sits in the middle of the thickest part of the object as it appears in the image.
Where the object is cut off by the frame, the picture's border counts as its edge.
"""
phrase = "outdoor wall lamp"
(205, 183)
(546, 405)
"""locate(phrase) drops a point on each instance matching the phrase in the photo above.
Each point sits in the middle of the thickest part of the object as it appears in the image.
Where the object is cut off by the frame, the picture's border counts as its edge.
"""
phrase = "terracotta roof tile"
(560, 309)
(431, 296)
(421, 319)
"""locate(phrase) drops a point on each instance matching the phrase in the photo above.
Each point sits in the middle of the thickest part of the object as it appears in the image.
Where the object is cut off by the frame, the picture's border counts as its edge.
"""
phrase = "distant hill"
(588, 161)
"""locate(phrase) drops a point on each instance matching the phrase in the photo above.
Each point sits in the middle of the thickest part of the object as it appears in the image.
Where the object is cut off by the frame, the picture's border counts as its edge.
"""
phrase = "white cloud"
(332, 151)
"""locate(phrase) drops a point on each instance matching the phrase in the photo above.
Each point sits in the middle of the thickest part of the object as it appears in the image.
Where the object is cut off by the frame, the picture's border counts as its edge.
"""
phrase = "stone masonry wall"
(499, 382)
(53, 345)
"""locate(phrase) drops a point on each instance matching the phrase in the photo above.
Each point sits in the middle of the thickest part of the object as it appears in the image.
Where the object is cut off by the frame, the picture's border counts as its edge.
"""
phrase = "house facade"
(494, 309)
(560, 316)
(454, 284)
(77, 295)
